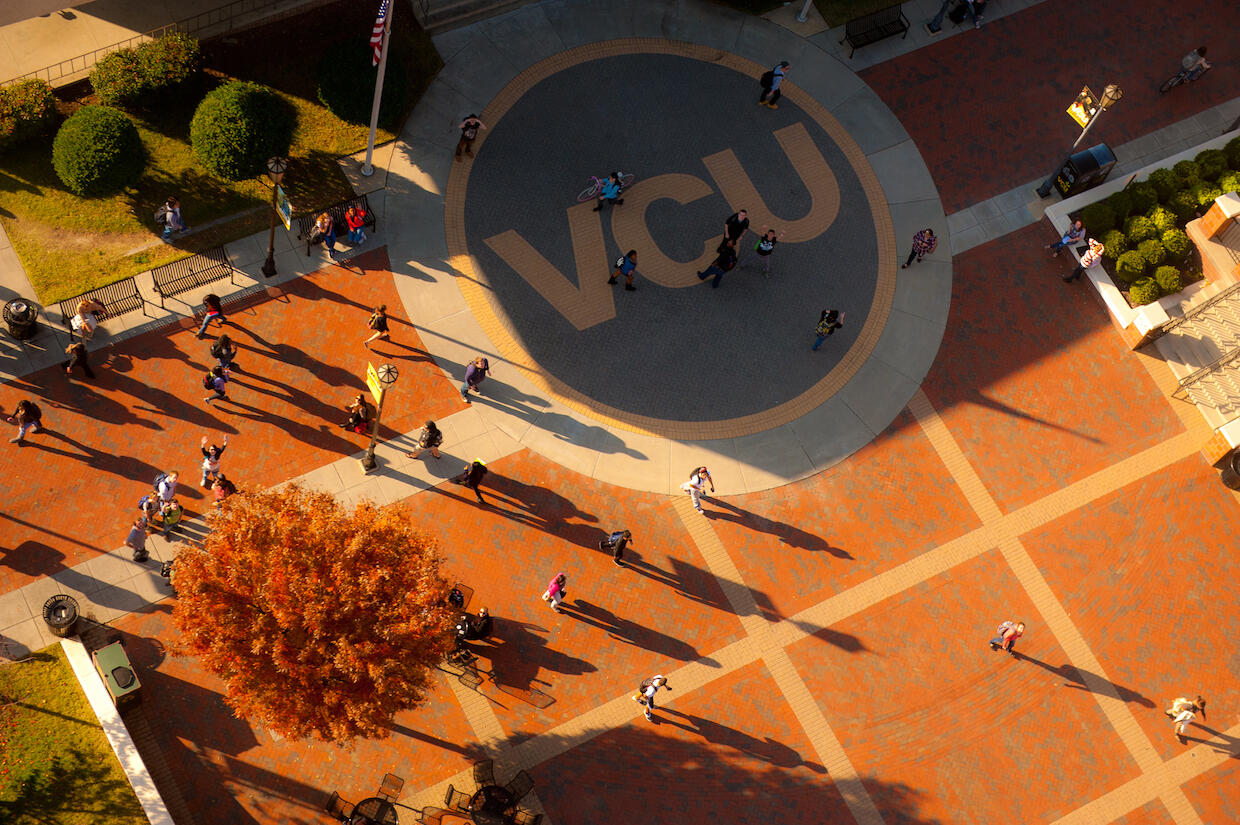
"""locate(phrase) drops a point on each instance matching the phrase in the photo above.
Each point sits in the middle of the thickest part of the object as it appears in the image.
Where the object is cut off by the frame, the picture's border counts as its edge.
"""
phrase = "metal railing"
(1200, 308)
(1198, 376)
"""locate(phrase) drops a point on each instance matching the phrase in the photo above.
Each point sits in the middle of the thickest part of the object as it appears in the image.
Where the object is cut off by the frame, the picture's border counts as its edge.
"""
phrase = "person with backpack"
(166, 485)
(771, 81)
(355, 219)
(610, 193)
(27, 416)
(626, 266)
(148, 506)
(765, 246)
(646, 692)
(556, 590)
(211, 459)
(170, 514)
(169, 217)
(379, 323)
(828, 323)
(429, 439)
(472, 476)
(1007, 634)
(469, 132)
(223, 351)
(725, 262)
(697, 479)
(475, 374)
(616, 542)
(215, 381)
(136, 540)
(213, 310)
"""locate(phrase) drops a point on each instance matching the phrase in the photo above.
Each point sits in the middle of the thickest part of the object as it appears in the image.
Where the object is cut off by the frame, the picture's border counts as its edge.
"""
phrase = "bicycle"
(596, 186)
(1183, 76)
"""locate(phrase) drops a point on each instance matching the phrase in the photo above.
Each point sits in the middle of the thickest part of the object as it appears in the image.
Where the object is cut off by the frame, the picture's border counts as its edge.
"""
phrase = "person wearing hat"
(1090, 259)
(469, 130)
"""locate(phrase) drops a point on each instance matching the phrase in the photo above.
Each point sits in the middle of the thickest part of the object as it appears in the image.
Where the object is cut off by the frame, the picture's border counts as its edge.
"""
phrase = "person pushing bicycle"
(610, 192)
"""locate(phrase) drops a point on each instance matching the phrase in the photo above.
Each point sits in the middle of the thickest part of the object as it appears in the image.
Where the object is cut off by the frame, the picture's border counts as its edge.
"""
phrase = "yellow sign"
(1084, 107)
(372, 381)
(283, 208)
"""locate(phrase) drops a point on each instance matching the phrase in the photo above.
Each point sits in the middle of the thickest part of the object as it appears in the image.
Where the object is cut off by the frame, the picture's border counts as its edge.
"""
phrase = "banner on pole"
(284, 208)
(1083, 108)
(372, 381)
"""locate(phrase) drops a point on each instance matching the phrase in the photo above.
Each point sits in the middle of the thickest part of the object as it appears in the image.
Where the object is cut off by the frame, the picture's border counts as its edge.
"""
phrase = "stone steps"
(441, 15)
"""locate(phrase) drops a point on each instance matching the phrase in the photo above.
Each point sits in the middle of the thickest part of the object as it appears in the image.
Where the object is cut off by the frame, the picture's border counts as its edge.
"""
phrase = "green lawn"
(55, 764)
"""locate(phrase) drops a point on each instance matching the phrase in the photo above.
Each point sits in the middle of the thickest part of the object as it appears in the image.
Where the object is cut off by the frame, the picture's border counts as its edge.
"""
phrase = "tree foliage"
(322, 622)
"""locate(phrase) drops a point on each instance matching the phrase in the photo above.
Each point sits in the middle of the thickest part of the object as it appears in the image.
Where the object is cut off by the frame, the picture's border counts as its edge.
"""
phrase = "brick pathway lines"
(1153, 813)
(1058, 396)
(979, 138)
(302, 360)
(1215, 792)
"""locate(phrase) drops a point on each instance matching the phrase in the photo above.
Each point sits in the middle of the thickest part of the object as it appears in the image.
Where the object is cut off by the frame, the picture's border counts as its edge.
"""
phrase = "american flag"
(376, 34)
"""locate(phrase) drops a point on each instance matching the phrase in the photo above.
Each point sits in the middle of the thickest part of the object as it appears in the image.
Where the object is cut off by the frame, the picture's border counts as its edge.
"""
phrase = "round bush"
(1139, 228)
(1229, 182)
(1162, 218)
(1099, 218)
(1204, 195)
(1177, 244)
(1232, 151)
(1184, 205)
(141, 76)
(27, 110)
(238, 126)
(1144, 291)
(1168, 280)
(1115, 244)
(1144, 197)
(346, 82)
(1129, 266)
(1188, 172)
(1212, 163)
(97, 151)
(1121, 205)
(1165, 182)
(1153, 252)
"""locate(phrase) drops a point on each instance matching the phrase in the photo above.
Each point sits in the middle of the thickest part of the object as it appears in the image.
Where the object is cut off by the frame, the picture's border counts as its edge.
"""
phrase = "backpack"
(161, 215)
(620, 261)
(142, 502)
(374, 321)
(160, 479)
(768, 79)
(208, 381)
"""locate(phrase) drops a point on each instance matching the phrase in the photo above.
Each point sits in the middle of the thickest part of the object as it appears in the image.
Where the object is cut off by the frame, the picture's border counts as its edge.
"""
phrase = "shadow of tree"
(71, 784)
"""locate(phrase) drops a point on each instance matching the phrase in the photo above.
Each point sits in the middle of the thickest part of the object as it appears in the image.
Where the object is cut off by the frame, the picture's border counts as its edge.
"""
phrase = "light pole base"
(269, 267)
(367, 170)
(367, 462)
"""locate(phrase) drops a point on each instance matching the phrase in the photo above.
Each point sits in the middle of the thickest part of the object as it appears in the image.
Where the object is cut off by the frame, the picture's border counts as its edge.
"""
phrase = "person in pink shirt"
(1008, 632)
(557, 588)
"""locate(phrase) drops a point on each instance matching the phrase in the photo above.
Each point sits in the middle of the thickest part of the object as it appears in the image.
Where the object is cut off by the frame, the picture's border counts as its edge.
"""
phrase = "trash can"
(1231, 471)
(1085, 170)
(60, 613)
(21, 316)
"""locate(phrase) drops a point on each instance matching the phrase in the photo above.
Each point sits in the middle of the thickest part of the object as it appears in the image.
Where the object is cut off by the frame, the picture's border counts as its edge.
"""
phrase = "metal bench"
(117, 299)
(196, 270)
(874, 27)
(305, 223)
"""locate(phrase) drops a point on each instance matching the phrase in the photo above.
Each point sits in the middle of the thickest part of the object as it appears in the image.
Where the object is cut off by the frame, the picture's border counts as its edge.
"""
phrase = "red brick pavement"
(302, 359)
(1215, 792)
(986, 108)
(1152, 813)
(1058, 396)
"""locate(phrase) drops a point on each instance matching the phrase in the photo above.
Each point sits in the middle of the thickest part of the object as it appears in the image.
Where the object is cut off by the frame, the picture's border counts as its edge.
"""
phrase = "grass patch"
(839, 12)
(69, 245)
(55, 763)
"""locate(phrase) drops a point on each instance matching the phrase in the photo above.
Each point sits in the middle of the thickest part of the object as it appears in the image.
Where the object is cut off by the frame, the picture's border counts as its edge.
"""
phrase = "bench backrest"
(117, 298)
(196, 270)
(874, 20)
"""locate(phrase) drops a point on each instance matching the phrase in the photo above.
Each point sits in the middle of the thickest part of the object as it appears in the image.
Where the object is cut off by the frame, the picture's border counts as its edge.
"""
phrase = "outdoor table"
(490, 804)
(374, 811)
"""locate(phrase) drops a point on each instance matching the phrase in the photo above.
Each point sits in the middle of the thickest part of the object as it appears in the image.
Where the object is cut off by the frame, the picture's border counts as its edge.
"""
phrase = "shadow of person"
(787, 533)
(767, 749)
(629, 632)
(518, 654)
(688, 580)
(1080, 679)
(1221, 741)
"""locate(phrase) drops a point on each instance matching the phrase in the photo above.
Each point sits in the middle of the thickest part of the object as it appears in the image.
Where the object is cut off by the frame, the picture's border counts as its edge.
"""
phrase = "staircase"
(1203, 350)
(440, 15)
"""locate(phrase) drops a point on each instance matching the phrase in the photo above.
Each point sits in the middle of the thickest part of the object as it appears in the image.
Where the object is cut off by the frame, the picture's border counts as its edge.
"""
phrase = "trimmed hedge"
(1129, 266)
(1212, 163)
(1153, 252)
(1139, 228)
(1188, 172)
(27, 111)
(1177, 244)
(1099, 218)
(1184, 205)
(1144, 197)
(1168, 280)
(97, 151)
(238, 126)
(1162, 218)
(1229, 182)
(1114, 243)
(142, 75)
(1165, 182)
(1144, 291)
(1232, 150)
(1204, 194)
(346, 82)
(1121, 204)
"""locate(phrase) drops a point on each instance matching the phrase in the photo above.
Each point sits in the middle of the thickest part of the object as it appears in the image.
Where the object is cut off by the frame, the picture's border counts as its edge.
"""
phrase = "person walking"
(76, 353)
(429, 439)
(223, 351)
(556, 590)
(725, 262)
(625, 266)
(699, 477)
(27, 416)
(136, 540)
(215, 380)
(647, 691)
(771, 81)
(472, 476)
(734, 227)
(469, 132)
(379, 323)
(828, 323)
(475, 374)
(924, 242)
(1091, 258)
(172, 220)
(214, 311)
(1007, 634)
(616, 542)
(1183, 710)
(1073, 236)
(610, 192)
(765, 247)
(211, 460)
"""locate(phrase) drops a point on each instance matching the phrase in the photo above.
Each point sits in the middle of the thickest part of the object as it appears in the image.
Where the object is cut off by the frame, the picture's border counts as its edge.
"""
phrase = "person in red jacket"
(355, 218)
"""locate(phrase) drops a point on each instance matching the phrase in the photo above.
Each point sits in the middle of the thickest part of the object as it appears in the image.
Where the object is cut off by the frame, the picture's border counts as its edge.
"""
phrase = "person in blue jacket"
(611, 192)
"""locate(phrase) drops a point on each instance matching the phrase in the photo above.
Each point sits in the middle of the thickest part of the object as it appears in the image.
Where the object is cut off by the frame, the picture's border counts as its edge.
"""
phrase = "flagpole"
(367, 168)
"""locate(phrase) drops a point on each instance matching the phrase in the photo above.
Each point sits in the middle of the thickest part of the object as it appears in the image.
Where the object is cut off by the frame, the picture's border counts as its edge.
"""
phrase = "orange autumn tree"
(321, 621)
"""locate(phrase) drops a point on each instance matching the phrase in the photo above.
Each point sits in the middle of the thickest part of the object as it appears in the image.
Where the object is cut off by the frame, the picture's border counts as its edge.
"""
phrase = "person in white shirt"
(693, 486)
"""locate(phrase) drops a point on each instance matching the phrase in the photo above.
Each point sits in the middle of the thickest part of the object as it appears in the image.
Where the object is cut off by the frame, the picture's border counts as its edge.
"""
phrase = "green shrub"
(1212, 163)
(1115, 244)
(1184, 205)
(1232, 151)
(1143, 291)
(1204, 194)
(1229, 182)
(346, 82)
(1165, 182)
(27, 110)
(97, 151)
(1153, 252)
(1144, 197)
(1188, 172)
(1162, 218)
(1099, 218)
(1139, 228)
(1121, 205)
(1177, 244)
(142, 75)
(1168, 280)
(1129, 266)
(238, 126)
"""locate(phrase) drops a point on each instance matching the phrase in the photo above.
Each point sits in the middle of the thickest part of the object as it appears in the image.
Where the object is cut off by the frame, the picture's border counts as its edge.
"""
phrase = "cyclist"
(1194, 63)
(610, 192)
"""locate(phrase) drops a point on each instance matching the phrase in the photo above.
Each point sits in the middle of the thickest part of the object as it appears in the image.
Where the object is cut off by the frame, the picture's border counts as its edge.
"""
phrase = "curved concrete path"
(481, 61)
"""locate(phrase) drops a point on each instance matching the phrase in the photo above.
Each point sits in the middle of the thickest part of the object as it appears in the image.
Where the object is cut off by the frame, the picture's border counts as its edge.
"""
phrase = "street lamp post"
(276, 167)
(1111, 94)
(387, 377)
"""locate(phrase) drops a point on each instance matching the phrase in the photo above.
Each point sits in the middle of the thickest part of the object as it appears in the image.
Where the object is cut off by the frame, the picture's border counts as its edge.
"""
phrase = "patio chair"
(338, 807)
(524, 817)
(456, 801)
(431, 815)
(390, 789)
(484, 773)
(520, 785)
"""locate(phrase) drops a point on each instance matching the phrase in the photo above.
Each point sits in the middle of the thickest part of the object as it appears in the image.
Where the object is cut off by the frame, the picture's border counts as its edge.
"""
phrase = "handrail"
(1200, 308)
(1196, 376)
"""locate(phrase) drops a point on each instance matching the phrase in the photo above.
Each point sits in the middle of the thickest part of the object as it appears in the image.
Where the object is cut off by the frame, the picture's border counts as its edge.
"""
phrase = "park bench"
(117, 299)
(305, 223)
(196, 270)
(871, 28)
